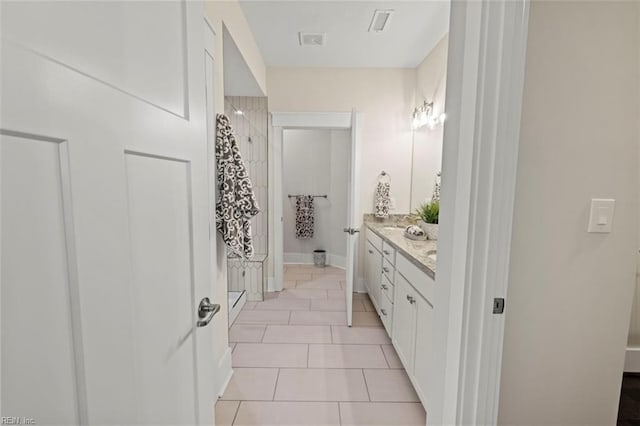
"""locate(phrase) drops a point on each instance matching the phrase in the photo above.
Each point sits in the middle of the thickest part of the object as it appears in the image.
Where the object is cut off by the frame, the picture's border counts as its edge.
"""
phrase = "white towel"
(382, 199)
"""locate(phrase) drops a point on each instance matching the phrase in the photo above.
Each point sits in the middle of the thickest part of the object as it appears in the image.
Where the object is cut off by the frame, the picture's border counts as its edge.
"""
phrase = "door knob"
(351, 231)
(206, 312)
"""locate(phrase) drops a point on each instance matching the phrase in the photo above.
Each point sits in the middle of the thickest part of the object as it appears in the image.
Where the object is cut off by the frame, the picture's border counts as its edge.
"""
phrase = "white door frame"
(487, 49)
(281, 121)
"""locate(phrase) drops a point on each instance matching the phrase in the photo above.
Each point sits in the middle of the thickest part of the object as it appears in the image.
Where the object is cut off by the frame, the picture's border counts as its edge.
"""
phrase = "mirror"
(426, 160)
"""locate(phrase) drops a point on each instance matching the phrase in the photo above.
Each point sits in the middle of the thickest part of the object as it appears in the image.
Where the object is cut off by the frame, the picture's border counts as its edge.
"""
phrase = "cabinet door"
(424, 349)
(404, 321)
(373, 271)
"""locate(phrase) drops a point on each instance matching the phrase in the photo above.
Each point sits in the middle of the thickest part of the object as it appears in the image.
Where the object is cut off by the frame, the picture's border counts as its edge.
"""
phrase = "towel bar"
(314, 196)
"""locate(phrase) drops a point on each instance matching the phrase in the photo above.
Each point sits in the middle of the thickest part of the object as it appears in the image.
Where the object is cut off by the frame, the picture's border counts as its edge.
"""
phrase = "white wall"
(386, 98)
(229, 14)
(569, 296)
(634, 328)
(316, 162)
(431, 76)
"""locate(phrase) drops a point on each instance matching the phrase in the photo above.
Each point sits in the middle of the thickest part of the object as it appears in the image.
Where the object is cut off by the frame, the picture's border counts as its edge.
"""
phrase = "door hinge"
(498, 305)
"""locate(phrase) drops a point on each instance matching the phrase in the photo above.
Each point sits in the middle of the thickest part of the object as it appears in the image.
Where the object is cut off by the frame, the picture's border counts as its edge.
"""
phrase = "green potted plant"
(428, 212)
(428, 218)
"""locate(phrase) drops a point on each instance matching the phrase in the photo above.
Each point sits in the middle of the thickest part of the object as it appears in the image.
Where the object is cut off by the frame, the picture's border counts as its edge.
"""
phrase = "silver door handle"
(206, 312)
(351, 231)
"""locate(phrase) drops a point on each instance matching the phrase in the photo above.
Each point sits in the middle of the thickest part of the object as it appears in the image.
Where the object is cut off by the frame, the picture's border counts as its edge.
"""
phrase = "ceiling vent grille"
(312, 39)
(380, 20)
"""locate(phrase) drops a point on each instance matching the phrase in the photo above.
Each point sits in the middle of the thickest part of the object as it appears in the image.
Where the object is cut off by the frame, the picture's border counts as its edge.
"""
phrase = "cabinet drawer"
(374, 240)
(387, 288)
(386, 314)
(389, 252)
(371, 249)
(418, 279)
(388, 269)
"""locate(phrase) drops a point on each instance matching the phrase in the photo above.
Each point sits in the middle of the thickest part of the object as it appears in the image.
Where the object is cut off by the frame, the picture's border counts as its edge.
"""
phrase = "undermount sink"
(432, 254)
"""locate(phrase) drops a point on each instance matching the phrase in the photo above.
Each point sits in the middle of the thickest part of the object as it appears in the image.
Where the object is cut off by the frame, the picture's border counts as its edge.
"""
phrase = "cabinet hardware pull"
(411, 300)
(370, 251)
(386, 252)
(383, 312)
(384, 287)
(385, 269)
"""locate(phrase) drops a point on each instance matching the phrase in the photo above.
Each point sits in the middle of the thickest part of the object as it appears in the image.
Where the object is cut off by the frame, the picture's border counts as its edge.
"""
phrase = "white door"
(105, 213)
(353, 211)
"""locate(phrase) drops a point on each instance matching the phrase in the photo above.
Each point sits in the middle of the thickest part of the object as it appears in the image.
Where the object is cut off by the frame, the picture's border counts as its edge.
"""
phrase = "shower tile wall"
(250, 129)
(252, 124)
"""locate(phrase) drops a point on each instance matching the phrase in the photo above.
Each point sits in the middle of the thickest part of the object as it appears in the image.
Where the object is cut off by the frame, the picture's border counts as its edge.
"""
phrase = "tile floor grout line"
(236, 414)
(275, 388)
(385, 356)
(366, 385)
(244, 367)
(264, 333)
(349, 401)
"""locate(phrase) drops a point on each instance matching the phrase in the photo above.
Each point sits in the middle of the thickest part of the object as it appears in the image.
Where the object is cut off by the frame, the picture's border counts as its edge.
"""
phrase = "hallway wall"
(229, 14)
(569, 296)
(316, 162)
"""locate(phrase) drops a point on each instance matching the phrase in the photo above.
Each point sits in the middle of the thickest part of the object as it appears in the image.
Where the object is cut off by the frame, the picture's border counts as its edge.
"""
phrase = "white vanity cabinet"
(404, 323)
(403, 295)
(412, 334)
(373, 273)
(423, 354)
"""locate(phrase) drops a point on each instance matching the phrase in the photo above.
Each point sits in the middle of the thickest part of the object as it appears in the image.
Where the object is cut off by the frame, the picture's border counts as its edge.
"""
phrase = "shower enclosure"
(249, 120)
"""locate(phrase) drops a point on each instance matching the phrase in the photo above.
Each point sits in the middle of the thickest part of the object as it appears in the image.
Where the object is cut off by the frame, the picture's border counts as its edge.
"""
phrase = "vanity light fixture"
(425, 116)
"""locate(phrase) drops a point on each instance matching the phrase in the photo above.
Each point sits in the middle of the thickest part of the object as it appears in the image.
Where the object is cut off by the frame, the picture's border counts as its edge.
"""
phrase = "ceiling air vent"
(380, 20)
(312, 39)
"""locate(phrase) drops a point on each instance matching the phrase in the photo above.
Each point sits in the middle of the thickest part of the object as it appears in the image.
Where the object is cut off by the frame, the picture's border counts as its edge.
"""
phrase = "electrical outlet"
(392, 203)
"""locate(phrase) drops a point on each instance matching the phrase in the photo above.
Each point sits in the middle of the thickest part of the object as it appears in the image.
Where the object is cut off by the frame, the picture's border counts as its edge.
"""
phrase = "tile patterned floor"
(296, 362)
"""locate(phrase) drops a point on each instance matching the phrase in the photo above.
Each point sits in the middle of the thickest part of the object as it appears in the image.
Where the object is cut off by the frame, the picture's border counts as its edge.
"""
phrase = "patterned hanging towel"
(382, 199)
(304, 217)
(236, 202)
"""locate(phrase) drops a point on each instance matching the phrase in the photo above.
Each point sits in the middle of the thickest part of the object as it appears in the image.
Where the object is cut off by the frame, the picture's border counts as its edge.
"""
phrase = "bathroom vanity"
(399, 275)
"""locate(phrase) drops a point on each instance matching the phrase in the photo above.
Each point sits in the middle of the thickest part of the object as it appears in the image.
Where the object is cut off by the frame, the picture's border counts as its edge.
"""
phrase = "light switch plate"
(601, 216)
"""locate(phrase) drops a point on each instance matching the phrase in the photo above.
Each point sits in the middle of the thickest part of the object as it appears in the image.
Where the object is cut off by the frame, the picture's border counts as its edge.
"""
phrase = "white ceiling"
(414, 29)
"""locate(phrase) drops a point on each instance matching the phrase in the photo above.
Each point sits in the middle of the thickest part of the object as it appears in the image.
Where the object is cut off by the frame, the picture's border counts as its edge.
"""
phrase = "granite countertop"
(392, 231)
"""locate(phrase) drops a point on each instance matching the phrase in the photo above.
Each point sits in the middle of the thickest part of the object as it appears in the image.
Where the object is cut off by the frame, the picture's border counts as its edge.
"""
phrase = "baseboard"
(307, 259)
(632, 360)
(271, 284)
(224, 370)
(235, 310)
(360, 287)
